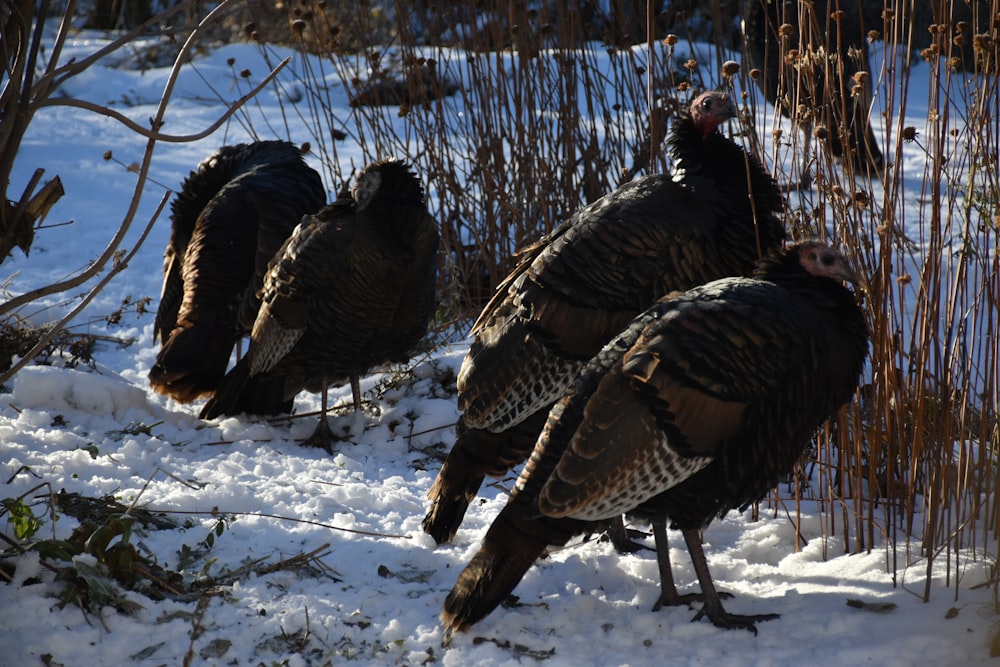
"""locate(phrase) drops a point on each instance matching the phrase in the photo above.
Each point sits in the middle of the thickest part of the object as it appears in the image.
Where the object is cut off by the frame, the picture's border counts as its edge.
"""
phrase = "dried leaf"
(146, 652)
(215, 648)
(876, 607)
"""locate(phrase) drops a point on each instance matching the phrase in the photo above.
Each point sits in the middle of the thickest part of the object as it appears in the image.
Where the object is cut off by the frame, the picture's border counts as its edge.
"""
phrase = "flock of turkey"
(663, 354)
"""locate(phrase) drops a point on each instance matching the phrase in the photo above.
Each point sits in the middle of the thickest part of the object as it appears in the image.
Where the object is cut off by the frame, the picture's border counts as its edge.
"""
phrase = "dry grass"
(913, 465)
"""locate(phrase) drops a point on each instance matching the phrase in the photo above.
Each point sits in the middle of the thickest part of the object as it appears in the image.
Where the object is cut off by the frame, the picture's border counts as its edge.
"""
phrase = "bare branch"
(55, 76)
(168, 138)
(98, 265)
(61, 324)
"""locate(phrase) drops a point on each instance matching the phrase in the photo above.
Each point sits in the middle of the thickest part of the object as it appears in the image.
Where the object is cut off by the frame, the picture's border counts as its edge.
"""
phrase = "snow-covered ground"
(372, 589)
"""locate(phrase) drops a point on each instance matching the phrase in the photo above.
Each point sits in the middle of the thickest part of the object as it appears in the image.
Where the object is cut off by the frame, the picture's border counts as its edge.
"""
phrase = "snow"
(375, 587)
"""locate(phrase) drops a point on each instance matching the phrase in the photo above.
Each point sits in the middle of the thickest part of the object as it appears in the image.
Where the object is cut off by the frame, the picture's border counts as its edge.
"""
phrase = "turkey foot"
(621, 537)
(669, 597)
(713, 608)
(723, 619)
(323, 437)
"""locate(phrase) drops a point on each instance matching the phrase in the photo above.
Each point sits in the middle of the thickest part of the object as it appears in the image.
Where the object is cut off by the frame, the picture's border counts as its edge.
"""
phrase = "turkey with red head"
(353, 287)
(701, 405)
(229, 219)
(578, 287)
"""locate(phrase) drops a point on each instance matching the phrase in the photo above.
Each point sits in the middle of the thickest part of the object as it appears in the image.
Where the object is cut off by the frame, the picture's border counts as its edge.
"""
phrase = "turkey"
(836, 92)
(577, 288)
(702, 404)
(351, 288)
(230, 217)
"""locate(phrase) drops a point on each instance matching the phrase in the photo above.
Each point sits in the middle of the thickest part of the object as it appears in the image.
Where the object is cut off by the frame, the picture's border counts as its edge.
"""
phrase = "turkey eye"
(829, 259)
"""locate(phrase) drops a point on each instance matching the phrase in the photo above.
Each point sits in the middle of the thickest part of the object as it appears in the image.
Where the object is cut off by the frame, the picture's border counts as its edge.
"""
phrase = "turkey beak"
(730, 110)
(853, 277)
(727, 112)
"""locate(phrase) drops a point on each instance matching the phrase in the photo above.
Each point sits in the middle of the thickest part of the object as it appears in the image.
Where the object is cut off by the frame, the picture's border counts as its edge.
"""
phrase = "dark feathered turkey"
(352, 287)
(230, 217)
(833, 92)
(581, 285)
(702, 404)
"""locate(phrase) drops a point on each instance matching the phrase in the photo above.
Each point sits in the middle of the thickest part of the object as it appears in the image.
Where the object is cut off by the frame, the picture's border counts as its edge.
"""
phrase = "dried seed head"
(909, 133)
(785, 30)
(821, 132)
(670, 40)
(730, 67)
(298, 27)
(982, 43)
(755, 74)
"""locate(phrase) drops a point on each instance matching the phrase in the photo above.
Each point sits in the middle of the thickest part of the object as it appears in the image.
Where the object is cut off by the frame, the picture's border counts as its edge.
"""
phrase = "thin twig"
(157, 136)
(43, 341)
(98, 265)
(266, 515)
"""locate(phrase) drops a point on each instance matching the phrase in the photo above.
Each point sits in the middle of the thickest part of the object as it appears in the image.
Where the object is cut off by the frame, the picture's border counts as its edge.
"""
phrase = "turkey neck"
(398, 207)
(715, 169)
